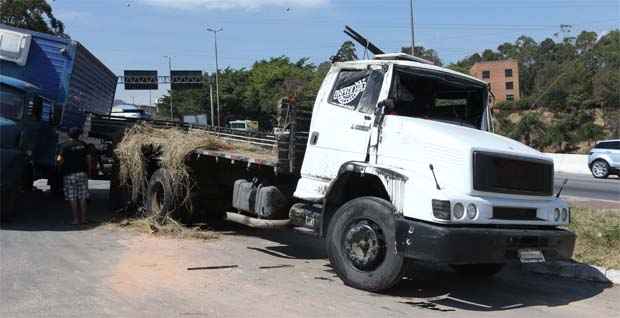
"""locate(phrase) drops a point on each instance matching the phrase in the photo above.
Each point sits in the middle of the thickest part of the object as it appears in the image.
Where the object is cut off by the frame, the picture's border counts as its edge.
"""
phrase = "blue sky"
(136, 34)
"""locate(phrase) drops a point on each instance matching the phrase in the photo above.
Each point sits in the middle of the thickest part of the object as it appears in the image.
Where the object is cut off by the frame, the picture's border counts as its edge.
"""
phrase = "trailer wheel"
(478, 270)
(361, 244)
(160, 198)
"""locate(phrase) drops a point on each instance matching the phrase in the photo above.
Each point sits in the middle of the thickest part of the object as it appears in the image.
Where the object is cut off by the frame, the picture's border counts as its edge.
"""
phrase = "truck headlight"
(564, 214)
(458, 211)
(556, 214)
(441, 209)
(472, 211)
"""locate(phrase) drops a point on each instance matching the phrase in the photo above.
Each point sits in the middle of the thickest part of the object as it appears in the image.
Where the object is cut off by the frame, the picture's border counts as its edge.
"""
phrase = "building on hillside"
(503, 77)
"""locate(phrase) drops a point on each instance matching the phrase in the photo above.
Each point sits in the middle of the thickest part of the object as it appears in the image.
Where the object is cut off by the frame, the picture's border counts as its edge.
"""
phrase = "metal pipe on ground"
(255, 222)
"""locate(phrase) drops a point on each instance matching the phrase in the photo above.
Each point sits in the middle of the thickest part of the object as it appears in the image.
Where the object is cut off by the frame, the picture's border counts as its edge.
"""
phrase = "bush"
(505, 105)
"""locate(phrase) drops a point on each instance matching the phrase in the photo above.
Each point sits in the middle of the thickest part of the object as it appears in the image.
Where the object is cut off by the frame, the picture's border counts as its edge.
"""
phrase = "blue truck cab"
(48, 84)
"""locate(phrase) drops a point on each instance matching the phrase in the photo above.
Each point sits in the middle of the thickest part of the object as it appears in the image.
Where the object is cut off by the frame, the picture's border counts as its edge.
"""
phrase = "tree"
(346, 52)
(490, 55)
(586, 41)
(464, 65)
(34, 15)
(529, 130)
(421, 52)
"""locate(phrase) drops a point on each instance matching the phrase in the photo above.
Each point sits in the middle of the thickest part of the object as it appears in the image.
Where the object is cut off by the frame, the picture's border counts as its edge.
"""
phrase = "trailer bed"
(251, 158)
(280, 151)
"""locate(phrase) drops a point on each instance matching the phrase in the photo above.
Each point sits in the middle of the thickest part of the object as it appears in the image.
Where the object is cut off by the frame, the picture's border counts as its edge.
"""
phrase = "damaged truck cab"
(402, 163)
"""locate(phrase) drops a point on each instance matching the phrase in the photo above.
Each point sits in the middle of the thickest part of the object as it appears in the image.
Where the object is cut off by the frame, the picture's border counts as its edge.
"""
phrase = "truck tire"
(478, 270)
(361, 244)
(160, 199)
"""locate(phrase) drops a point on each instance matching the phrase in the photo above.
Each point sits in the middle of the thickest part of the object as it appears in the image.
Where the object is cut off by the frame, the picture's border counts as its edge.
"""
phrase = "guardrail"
(570, 163)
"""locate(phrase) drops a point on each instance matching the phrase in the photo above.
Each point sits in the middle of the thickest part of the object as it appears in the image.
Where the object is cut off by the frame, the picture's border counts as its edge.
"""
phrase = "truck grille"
(508, 213)
(512, 175)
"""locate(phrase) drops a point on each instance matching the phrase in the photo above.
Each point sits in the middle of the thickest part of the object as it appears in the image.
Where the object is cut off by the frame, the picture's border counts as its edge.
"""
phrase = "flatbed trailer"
(278, 156)
(280, 152)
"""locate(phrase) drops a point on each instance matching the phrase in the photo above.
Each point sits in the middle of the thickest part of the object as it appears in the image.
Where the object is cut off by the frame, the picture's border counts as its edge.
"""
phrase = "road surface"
(51, 269)
(587, 187)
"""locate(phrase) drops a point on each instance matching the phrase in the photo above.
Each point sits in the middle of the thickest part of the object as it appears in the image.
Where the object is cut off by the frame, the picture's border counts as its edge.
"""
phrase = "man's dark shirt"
(74, 154)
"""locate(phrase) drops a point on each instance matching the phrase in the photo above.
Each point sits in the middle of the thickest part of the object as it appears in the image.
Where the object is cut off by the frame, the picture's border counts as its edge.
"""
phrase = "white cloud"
(236, 4)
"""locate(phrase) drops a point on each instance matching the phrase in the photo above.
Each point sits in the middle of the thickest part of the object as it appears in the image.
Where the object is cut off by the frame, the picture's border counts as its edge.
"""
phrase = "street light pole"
(170, 78)
(412, 29)
(217, 71)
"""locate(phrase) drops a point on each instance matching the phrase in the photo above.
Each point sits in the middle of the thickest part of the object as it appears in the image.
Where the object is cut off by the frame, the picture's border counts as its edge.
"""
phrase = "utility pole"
(170, 73)
(412, 29)
(217, 71)
(211, 97)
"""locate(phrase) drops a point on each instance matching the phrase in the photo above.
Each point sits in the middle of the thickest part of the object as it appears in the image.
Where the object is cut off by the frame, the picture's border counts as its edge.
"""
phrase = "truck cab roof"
(406, 60)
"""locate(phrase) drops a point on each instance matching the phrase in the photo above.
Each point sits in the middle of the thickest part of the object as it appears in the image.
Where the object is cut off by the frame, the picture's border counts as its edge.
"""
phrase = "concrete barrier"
(570, 163)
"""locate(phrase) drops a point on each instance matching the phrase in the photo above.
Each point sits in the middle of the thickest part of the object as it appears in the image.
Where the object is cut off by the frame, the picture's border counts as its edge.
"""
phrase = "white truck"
(399, 162)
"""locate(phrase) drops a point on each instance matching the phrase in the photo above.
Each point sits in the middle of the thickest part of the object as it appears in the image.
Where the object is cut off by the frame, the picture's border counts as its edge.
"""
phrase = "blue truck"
(48, 84)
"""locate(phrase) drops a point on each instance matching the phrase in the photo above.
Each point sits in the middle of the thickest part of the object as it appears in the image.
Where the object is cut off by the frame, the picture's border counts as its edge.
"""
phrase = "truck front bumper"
(476, 244)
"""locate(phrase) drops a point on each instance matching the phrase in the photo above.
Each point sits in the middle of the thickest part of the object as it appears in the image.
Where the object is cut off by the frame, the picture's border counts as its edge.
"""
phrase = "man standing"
(74, 160)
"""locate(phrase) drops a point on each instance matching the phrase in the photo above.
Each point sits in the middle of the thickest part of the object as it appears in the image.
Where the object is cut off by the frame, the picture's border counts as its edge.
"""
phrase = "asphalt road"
(51, 269)
(587, 187)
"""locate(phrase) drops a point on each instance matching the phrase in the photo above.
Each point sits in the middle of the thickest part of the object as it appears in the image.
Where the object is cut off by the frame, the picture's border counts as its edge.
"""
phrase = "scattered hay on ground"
(171, 228)
(598, 236)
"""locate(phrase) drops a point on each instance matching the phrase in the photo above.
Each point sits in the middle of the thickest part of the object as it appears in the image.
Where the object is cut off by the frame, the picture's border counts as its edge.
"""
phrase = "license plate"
(531, 256)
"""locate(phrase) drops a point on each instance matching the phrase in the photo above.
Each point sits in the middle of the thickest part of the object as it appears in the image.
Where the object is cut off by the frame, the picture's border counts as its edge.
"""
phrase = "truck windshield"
(437, 96)
(12, 101)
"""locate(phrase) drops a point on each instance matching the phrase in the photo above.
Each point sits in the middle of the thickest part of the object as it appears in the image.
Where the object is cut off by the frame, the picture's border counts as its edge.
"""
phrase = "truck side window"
(370, 97)
(357, 89)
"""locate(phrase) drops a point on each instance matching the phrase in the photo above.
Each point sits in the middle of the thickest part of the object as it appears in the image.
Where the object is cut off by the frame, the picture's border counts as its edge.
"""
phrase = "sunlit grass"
(598, 236)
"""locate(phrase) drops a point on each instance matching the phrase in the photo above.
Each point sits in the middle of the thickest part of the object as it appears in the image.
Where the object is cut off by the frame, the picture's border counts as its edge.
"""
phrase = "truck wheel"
(478, 270)
(160, 201)
(361, 244)
(600, 169)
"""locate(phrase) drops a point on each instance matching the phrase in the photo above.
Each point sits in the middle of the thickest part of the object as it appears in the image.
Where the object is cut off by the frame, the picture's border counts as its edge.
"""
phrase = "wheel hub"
(364, 245)
(599, 169)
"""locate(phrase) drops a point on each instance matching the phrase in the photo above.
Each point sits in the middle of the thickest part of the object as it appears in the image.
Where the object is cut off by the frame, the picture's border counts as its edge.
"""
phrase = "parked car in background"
(243, 125)
(129, 111)
(604, 158)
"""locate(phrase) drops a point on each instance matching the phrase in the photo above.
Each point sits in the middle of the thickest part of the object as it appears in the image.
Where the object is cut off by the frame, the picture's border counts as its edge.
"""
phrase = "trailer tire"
(361, 244)
(160, 200)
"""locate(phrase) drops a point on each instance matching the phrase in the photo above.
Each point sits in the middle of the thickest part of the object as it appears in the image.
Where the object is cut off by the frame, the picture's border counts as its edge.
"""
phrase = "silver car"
(604, 158)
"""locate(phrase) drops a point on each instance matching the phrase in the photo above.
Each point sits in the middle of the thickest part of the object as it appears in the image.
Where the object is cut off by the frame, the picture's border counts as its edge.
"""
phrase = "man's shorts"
(76, 186)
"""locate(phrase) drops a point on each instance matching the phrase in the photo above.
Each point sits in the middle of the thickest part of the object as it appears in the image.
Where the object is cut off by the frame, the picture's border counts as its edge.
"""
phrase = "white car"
(604, 158)
(129, 111)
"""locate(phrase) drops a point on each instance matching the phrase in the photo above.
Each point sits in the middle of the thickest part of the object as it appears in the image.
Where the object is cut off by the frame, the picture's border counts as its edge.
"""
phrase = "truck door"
(341, 124)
